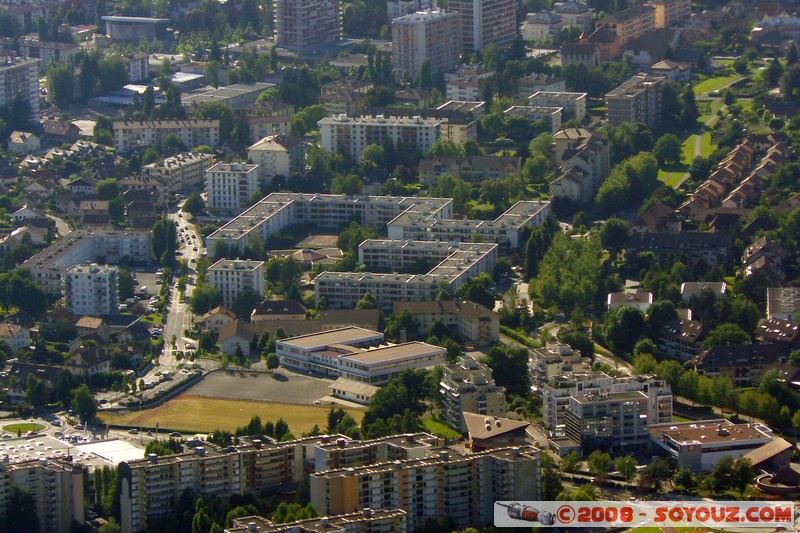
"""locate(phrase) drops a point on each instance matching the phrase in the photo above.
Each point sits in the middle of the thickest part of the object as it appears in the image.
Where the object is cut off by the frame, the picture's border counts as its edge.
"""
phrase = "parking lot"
(17, 450)
(281, 386)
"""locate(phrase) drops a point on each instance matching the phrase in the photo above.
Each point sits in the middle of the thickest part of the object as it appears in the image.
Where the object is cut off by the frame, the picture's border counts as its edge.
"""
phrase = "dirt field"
(318, 241)
(190, 413)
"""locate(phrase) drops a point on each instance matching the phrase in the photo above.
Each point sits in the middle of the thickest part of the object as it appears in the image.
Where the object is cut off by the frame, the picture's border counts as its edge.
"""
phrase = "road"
(61, 225)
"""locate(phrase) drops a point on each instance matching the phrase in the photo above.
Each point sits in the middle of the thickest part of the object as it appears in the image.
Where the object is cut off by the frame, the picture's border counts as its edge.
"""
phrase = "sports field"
(196, 414)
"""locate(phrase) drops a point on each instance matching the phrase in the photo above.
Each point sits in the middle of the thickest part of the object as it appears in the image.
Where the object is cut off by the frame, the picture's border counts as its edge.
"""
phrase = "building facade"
(351, 134)
(462, 487)
(19, 78)
(485, 22)
(467, 386)
(231, 277)
(573, 104)
(277, 155)
(231, 185)
(472, 322)
(180, 172)
(630, 24)
(132, 135)
(636, 100)
(91, 290)
(302, 23)
(431, 36)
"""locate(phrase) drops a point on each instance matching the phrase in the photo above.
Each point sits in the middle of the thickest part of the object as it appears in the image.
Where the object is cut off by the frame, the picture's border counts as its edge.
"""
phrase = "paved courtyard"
(282, 386)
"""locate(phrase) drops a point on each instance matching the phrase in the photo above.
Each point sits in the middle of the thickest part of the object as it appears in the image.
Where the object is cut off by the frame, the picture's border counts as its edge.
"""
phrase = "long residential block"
(133, 135)
(461, 487)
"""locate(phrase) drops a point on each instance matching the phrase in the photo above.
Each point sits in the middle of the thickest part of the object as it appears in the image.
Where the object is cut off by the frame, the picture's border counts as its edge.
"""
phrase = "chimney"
(252, 526)
(153, 458)
(201, 451)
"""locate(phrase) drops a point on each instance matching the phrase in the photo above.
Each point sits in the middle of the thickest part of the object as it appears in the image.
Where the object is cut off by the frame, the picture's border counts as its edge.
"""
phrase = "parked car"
(133, 431)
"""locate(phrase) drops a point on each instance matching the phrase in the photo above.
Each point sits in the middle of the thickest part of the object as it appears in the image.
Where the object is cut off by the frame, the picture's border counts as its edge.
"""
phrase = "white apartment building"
(279, 210)
(467, 386)
(138, 64)
(87, 245)
(636, 100)
(277, 155)
(542, 26)
(432, 35)
(558, 392)
(784, 302)
(180, 172)
(356, 354)
(472, 322)
(55, 485)
(20, 78)
(551, 116)
(615, 421)
(91, 290)
(302, 23)
(133, 135)
(351, 134)
(575, 13)
(230, 186)
(552, 360)
(486, 21)
(504, 230)
(574, 104)
(398, 8)
(231, 277)
(463, 487)
(47, 52)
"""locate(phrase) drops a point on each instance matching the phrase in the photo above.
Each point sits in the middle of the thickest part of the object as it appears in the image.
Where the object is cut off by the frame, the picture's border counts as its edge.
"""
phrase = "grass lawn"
(714, 84)
(670, 179)
(706, 147)
(199, 414)
(153, 318)
(440, 429)
(676, 418)
(23, 427)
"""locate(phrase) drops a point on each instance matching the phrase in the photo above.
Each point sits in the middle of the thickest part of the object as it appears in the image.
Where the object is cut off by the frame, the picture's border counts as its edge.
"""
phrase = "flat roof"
(393, 352)
(334, 336)
(710, 431)
(134, 20)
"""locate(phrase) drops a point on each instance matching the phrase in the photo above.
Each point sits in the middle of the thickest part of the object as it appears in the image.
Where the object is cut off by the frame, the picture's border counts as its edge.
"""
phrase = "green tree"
(60, 85)
(83, 403)
(614, 235)
(626, 466)
(367, 302)
(726, 335)
(273, 361)
(571, 462)
(204, 298)
(721, 477)
(446, 148)
(116, 209)
(107, 189)
(508, 364)
(599, 463)
(551, 481)
(20, 514)
(165, 240)
(194, 204)
(668, 149)
(246, 301)
(624, 326)
(35, 392)
(685, 478)
(425, 77)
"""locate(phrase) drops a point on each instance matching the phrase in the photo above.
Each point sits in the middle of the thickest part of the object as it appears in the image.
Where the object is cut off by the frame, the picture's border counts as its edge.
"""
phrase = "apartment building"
(682, 339)
(231, 185)
(462, 487)
(535, 83)
(364, 521)
(466, 89)
(278, 210)
(47, 52)
(459, 124)
(552, 360)
(636, 100)
(132, 135)
(232, 276)
(55, 485)
(351, 134)
(473, 169)
(612, 421)
(269, 118)
(277, 155)
(542, 26)
(398, 8)
(630, 24)
(432, 35)
(151, 487)
(93, 244)
(485, 22)
(575, 13)
(468, 387)
(180, 172)
(587, 54)
(303, 23)
(344, 97)
(138, 64)
(558, 391)
(669, 13)
(472, 322)
(573, 104)
(91, 290)
(356, 354)
(551, 116)
(19, 78)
